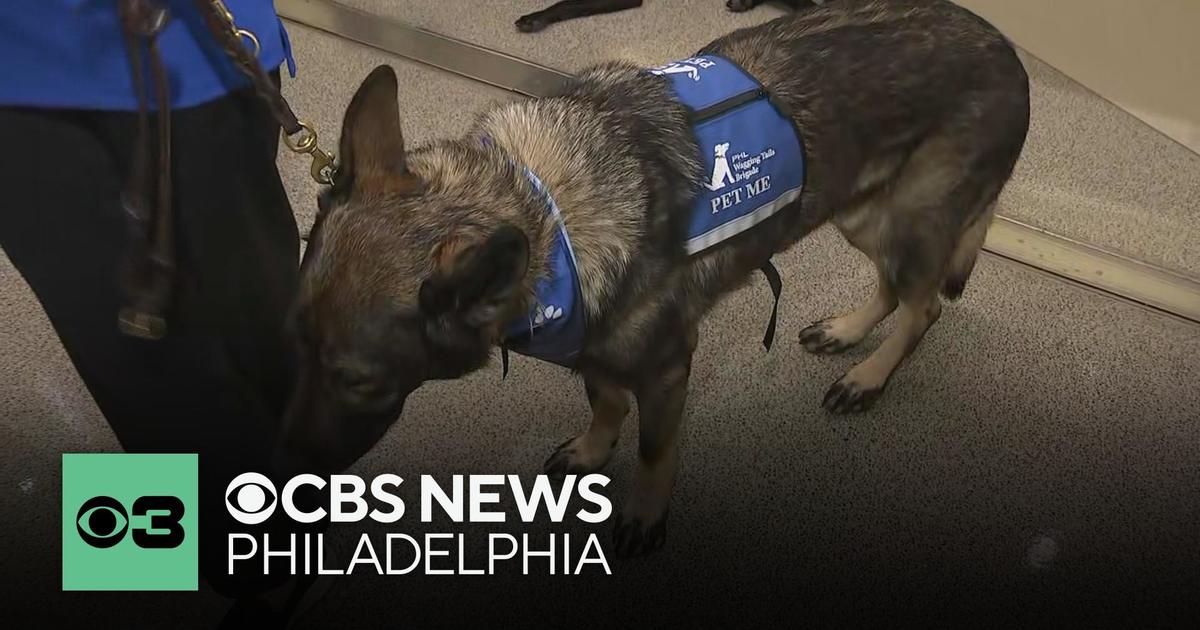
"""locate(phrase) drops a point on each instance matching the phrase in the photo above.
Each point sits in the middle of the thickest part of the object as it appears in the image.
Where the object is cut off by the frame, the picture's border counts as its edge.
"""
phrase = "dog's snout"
(322, 439)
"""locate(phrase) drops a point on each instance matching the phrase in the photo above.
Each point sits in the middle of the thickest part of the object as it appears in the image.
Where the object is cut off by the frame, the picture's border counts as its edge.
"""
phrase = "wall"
(1143, 55)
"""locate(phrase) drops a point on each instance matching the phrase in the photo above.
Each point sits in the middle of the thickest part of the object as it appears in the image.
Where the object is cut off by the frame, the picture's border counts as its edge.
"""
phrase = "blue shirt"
(71, 53)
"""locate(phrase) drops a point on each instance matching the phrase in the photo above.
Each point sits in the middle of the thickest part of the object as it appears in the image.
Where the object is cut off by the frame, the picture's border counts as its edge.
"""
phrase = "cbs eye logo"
(102, 522)
(250, 498)
(129, 522)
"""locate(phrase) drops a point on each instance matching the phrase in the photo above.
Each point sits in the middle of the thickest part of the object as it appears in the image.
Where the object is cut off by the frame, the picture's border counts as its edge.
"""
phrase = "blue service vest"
(753, 165)
(71, 54)
(753, 155)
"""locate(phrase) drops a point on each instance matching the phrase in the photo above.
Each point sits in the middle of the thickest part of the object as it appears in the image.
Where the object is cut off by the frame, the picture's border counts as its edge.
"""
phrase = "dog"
(912, 114)
(572, 9)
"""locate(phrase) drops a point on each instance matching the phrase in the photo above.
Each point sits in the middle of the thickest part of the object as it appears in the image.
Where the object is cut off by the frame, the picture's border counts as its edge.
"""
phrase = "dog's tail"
(962, 261)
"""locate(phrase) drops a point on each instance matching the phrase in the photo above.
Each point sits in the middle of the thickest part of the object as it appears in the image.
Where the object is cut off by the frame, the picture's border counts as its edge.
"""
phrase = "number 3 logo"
(102, 522)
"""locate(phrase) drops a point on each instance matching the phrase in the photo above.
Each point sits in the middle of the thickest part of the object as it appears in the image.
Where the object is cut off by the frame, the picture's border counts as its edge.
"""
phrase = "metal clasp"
(240, 32)
(324, 165)
(246, 34)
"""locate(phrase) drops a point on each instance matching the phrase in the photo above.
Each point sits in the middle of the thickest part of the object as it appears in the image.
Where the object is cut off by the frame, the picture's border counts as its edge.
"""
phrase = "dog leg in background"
(745, 5)
(569, 10)
(591, 450)
(642, 525)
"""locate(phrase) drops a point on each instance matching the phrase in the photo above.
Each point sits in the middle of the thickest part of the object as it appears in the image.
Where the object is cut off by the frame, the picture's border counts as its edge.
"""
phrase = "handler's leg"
(217, 384)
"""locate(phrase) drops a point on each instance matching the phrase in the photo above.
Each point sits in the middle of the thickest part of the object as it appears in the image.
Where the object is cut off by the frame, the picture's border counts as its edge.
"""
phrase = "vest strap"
(776, 283)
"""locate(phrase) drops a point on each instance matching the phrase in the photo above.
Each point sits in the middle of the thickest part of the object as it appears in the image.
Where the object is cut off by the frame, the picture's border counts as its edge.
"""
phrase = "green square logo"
(129, 522)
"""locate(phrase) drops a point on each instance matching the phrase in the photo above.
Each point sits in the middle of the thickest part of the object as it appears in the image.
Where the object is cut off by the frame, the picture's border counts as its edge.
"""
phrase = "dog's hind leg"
(962, 262)
(922, 232)
(661, 396)
(590, 451)
(835, 334)
(863, 384)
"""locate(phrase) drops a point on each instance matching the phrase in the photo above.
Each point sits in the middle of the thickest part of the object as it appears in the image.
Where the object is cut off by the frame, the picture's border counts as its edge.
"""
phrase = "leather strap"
(227, 35)
(148, 277)
(146, 197)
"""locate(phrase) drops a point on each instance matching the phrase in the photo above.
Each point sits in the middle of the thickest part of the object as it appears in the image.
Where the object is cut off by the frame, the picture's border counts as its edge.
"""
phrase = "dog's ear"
(473, 283)
(372, 144)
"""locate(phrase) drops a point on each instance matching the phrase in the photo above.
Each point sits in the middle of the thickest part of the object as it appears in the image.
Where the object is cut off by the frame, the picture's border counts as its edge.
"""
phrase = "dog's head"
(402, 282)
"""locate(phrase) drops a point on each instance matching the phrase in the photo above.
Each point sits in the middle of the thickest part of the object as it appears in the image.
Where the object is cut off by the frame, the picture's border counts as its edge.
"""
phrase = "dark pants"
(218, 383)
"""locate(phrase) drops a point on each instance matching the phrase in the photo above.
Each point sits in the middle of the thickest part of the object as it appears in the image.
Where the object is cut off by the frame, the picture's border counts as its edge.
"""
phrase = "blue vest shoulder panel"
(752, 154)
(553, 331)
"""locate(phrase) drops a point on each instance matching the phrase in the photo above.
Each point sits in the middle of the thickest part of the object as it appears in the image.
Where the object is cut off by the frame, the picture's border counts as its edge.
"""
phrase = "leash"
(149, 269)
(227, 33)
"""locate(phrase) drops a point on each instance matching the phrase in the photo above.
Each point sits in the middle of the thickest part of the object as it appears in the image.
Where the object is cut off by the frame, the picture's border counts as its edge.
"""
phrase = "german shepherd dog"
(912, 113)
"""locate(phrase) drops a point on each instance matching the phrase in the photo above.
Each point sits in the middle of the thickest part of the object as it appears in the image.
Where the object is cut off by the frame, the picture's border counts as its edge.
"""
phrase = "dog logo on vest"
(738, 176)
(722, 175)
(689, 67)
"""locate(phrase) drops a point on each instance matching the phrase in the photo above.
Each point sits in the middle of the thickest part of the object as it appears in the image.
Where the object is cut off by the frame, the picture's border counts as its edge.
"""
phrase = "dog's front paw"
(851, 394)
(823, 338)
(531, 23)
(579, 455)
(635, 536)
(739, 5)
